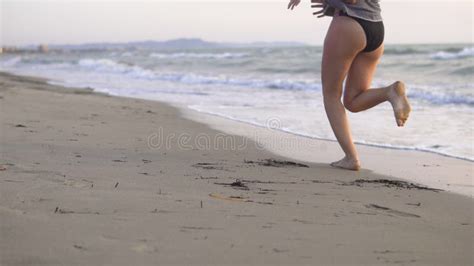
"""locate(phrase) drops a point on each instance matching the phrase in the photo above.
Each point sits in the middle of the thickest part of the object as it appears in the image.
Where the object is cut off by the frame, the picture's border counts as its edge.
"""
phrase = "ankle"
(352, 158)
(389, 92)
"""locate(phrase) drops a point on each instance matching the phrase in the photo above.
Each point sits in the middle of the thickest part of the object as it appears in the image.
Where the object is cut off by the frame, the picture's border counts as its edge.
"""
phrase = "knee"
(348, 104)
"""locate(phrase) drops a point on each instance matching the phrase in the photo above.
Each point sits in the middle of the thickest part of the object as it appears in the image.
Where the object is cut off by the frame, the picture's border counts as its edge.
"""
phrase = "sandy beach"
(91, 179)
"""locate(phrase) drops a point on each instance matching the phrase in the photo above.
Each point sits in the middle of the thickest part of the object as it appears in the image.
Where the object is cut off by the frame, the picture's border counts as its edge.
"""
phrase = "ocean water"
(281, 87)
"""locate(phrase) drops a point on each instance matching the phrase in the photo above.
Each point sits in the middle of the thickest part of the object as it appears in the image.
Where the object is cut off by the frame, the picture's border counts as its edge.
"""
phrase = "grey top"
(363, 9)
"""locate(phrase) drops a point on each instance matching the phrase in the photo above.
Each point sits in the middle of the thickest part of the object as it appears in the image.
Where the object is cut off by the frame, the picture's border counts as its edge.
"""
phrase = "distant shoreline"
(196, 43)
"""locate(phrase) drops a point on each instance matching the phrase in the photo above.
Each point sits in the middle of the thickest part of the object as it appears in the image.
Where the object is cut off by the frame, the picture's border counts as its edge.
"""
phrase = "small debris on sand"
(391, 211)
(268, 182)
(222, 197)
(79, 247)
(276, 163)
(62, 211)
(276, 250)
(208, 166)
(414, 204)
(237, 184)
(208, 177)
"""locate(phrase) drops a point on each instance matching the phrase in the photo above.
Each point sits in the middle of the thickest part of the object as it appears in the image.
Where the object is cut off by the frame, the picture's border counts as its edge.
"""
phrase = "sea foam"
(443, 55)
(198, 55)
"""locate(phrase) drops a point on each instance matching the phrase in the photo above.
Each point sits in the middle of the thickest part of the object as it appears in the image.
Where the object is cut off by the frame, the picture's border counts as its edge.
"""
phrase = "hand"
(293, 3)
(320, 4)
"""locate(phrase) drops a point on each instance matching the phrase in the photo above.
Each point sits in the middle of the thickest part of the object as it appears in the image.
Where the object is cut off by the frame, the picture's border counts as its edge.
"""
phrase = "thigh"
(361, 73)
(344, 40)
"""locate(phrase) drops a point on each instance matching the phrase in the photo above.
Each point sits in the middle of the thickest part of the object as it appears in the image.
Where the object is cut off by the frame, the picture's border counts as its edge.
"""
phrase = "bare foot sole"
(346, 163)
(399, 101)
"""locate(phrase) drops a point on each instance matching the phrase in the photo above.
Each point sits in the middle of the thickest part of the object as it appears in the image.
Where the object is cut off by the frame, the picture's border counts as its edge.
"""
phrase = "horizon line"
(215, 42)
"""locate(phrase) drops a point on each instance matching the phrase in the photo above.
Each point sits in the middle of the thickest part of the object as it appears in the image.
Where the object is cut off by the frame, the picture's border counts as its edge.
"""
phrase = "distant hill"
(183, 43)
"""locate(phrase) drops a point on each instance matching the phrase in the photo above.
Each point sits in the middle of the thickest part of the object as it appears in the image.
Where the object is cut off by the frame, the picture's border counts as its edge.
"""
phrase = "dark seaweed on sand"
(392, 183)
(237, 184)
(276, 163)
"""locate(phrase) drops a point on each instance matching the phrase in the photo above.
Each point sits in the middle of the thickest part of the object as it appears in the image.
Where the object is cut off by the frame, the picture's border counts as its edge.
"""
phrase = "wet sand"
(90, 179)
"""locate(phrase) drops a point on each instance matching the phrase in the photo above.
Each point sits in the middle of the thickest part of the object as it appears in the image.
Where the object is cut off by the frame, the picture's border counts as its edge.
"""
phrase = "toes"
(401, 122)
(401, 118)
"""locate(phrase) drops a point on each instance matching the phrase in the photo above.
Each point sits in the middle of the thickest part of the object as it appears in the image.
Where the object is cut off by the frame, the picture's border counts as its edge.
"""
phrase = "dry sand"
(84, 180)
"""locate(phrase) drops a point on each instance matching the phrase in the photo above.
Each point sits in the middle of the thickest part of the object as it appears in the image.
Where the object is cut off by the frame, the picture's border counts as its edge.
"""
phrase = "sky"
(84, 21)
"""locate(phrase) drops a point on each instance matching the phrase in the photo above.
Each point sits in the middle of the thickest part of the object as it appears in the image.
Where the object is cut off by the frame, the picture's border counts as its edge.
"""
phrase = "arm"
(329, 7)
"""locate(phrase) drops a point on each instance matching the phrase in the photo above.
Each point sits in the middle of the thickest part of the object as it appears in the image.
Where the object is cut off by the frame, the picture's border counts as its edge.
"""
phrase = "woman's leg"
(357, 95)
(344, 40)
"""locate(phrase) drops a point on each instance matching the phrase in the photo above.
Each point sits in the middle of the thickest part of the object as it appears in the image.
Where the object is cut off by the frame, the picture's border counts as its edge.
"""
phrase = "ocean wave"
(416, 92)
(199, 55)
(447, 55)
(277, 70)
(402, 51)
(441, 98)
(313, 136)
(126, 54)
(133, 71)
(251, 83)
(464, 71)
(10, 61)
(110, 66)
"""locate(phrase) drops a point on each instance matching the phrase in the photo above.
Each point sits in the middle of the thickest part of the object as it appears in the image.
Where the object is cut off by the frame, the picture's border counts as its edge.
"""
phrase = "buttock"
(374, 32)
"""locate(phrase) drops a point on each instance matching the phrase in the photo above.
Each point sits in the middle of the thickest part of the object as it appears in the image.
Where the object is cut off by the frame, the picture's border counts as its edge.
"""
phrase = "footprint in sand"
(144, 248)
(78, 183)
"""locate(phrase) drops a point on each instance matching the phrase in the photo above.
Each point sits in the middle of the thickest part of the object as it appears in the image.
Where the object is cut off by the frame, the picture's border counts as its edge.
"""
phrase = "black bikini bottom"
(374, 32)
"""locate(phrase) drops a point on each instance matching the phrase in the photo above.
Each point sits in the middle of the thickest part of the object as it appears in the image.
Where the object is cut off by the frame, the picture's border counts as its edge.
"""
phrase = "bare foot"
(398, 98)
(347, 163)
